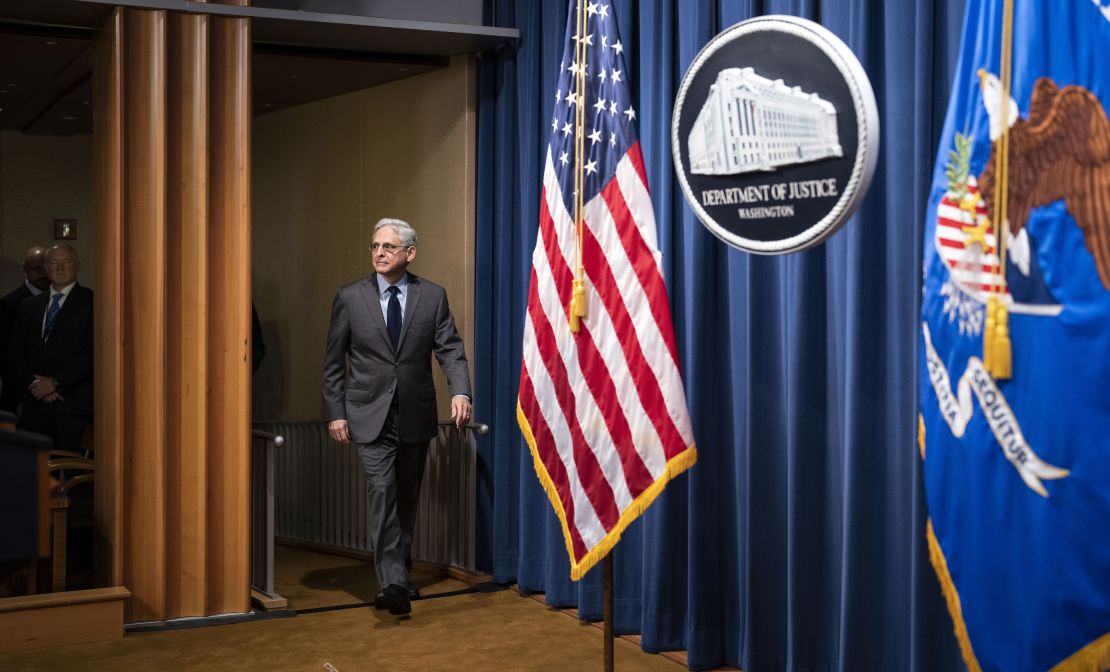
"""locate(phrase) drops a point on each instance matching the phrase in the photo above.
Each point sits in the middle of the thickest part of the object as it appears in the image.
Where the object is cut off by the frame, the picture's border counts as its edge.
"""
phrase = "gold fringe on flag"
(578, 568)
(1095, 657)
(921, 435)
(952, 598)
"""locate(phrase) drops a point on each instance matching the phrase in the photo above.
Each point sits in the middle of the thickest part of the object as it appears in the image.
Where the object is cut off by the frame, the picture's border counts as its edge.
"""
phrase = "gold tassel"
(1001, 350)
(577, 303)
(988, 334)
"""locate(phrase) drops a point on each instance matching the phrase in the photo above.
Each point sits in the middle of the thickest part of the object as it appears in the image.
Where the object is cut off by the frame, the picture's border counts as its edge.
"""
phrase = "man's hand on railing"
(338, 431)
(476, 427)
(460, 410)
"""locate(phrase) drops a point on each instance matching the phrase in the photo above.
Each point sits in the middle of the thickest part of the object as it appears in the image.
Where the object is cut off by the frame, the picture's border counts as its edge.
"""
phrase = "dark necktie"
(393, 315)
(52, 314)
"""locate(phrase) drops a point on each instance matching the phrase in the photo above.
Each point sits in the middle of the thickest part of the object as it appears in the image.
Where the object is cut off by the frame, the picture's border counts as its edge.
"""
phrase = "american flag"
(603, 408)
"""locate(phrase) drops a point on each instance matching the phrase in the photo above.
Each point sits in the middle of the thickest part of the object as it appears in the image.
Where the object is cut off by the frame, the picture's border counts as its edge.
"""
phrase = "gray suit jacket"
(363, 394)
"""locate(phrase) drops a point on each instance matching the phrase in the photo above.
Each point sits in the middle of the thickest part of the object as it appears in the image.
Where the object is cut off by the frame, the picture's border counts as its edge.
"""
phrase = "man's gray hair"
(406, 232)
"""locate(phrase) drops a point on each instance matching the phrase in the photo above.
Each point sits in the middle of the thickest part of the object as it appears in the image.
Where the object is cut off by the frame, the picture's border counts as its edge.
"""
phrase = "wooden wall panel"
(229, 330)
(173, 312)
(144, 323)
(187, 314)
(108, 326)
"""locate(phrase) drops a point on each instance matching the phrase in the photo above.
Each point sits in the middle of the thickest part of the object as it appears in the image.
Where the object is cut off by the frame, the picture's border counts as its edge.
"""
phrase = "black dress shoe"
(414, 592)
(395, 599)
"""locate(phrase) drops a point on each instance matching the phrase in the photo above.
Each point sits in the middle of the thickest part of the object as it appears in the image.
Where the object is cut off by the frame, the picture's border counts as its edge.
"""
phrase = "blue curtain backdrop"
(797, 542)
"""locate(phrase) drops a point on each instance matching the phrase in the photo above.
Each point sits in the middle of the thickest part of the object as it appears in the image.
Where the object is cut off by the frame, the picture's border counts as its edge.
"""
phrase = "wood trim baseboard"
(55, 619)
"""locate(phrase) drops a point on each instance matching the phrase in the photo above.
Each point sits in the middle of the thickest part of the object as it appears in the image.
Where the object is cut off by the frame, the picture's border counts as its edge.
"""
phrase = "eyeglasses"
(388, 248)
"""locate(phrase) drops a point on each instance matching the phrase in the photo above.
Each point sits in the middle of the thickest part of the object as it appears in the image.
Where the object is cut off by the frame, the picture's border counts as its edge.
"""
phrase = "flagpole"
(607, 609)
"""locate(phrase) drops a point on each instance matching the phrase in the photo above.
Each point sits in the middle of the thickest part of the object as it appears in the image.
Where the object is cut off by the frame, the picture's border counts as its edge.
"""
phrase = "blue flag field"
(1015, 339)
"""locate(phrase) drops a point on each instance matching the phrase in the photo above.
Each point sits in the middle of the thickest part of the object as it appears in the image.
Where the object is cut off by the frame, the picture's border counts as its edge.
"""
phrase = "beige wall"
(324, 173)
(43, 178)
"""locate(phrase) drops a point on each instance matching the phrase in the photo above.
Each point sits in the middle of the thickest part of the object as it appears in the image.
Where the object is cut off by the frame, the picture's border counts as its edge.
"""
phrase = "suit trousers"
(394, 471)
(67, 429)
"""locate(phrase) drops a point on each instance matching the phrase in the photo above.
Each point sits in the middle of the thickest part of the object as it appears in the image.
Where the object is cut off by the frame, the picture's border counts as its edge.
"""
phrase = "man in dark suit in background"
(388, 325)
(51, 354)
(35, 281)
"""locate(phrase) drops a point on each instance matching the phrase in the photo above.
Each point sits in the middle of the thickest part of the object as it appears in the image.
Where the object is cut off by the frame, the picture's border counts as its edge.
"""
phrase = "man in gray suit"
(388, 325)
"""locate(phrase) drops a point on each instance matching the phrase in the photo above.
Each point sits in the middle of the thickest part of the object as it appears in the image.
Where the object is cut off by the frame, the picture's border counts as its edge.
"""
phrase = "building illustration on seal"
(751, 123)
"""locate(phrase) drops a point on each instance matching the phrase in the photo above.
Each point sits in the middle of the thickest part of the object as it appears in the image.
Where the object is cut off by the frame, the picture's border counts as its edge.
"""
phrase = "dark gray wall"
(440, 11)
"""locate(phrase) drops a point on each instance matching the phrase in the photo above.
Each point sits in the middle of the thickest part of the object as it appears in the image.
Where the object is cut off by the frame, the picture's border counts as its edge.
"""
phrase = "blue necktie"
(52, 314)
(393, 315)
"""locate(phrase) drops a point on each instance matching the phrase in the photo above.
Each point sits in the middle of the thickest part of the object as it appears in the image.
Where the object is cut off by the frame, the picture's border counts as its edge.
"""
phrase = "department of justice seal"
(775, 134)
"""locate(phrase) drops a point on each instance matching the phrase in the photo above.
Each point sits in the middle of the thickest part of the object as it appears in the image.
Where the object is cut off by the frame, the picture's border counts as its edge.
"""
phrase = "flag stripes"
(602, 405)
(603, 409)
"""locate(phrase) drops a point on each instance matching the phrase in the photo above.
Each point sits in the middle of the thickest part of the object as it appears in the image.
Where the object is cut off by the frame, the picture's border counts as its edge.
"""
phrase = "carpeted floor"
(471, 631)
(309, 579)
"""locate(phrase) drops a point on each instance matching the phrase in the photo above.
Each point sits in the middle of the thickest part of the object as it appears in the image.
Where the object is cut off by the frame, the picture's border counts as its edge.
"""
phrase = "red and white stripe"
(604, 410)
(975, 270)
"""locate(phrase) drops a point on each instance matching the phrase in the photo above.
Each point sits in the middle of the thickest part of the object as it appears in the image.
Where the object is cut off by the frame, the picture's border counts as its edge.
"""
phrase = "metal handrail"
(477, 427)
(276, 439)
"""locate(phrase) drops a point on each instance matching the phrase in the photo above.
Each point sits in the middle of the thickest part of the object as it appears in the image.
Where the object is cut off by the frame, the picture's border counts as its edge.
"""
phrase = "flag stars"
(599, 106)
(613, 139)
(567, 129)
(630, 112)
(563, 159)
(554, 124)
(601, 75)
(591, 8)
(572, 99)
(558, 96)
(613, 107)
(604, 11)
(616, 76)
(618, 47)
(591, 167)
(595, 137)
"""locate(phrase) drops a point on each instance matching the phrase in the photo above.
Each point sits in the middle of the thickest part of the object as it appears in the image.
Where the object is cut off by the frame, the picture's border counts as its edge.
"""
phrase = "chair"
(70, 469)
(24, 495)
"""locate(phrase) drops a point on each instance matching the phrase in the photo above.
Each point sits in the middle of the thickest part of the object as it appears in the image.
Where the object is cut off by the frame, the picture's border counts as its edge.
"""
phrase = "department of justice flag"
(602, 407)
(1015, 339)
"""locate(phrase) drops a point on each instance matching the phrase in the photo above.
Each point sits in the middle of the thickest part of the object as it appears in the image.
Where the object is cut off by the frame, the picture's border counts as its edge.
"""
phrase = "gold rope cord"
(578, 292)
(997, 348)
